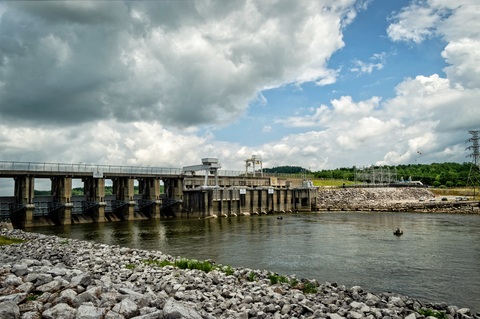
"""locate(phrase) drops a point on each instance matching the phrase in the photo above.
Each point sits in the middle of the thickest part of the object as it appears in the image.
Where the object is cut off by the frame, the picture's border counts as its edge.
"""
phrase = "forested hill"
(436, 174)
(285, 170)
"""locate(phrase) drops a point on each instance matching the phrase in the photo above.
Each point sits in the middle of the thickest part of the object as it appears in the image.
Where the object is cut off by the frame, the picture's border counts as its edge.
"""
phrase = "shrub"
(293, 282)
(252, 276)
(283, 280)
(228, 271)
(428, 312)
(449, 184)
(436, 183)
(309, 288)
(273, 278)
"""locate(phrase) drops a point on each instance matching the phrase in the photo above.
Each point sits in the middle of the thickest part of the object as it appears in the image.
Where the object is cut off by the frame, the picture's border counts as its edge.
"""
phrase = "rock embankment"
(369, 196)
(51, 277)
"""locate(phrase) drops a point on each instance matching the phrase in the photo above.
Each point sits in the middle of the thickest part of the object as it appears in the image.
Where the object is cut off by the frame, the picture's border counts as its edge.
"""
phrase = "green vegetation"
(428, 312)
(252, 276)
(293, 282)
(8, 241)
(273, 278)
(285, 170)
(34, 297)
(283, 280)
(130, 266)
(435, 174)
(228, 270)
(309, 289)
(64, 242)
(185, 263)
(332, 183)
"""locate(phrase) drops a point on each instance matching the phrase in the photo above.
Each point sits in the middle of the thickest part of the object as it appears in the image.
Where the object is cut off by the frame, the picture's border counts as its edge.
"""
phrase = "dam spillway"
(185, 195)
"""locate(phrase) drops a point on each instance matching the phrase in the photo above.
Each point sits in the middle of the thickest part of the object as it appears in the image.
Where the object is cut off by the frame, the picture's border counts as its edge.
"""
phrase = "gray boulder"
(90, 312)
(176, 310)
(60, 311)
(127, 308)
(19, 270)
(9, 310)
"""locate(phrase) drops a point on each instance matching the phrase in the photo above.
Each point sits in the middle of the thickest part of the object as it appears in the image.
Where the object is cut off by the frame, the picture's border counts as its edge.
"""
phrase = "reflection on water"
(437, 259)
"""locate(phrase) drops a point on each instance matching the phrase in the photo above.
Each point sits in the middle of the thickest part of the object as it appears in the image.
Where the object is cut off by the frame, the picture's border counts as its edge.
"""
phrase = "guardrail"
(117, 169)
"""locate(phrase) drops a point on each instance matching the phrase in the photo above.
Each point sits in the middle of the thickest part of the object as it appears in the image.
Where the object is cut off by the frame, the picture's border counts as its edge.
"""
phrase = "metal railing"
(117, 169)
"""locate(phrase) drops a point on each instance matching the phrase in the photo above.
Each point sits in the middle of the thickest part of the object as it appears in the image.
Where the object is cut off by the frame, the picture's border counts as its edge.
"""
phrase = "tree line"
(435, 174)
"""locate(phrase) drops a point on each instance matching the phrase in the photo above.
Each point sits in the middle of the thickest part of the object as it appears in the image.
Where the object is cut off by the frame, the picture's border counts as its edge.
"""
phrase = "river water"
(437, 259)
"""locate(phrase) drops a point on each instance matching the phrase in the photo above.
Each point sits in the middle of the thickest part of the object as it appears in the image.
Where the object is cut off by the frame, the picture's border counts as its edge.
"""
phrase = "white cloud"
(267, 129)
(367, 67)
(464, 57)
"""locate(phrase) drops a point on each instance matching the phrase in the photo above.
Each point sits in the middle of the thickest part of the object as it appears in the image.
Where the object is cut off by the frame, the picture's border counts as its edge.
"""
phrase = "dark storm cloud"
(179, 63)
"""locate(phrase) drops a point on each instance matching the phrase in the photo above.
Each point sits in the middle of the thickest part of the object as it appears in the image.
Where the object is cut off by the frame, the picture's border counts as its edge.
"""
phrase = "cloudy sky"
(316, 83)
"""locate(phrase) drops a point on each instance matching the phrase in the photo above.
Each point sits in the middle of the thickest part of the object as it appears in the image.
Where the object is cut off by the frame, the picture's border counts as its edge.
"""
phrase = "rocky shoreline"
(388, 199)
(52, 277)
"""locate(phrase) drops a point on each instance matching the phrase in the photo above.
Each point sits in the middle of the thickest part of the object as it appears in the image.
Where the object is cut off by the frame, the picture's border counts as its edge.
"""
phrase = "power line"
(473, 176)
(474, 147)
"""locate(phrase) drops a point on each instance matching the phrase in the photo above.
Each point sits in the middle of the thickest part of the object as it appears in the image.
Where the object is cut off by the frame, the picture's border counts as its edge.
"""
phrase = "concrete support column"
(254, 197)
(24, 189)
(62, 192)
(275, 198)
(220, 209)
(204, 205)
(27, 220)
(95, 192)
(288, 204)
(24, 193)
(210, 203)
(281, 205)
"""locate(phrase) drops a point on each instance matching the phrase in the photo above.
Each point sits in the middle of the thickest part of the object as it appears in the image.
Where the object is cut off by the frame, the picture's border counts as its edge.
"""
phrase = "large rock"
(19, 270)
(83, 280)
(90, 312)
(60, 311)
(9, 310)
(175, 310)
(127, 308)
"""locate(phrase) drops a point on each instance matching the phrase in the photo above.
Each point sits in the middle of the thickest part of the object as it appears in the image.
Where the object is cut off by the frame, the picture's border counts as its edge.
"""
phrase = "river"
(437, 259)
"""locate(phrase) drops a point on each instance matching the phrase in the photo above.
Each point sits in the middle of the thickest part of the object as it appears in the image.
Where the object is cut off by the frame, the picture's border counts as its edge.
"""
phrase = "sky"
(320, 84)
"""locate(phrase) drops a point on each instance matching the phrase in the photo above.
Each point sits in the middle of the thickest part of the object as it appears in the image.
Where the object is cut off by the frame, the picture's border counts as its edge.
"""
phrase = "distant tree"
(449, 184)
(436, 183)
(285, 170)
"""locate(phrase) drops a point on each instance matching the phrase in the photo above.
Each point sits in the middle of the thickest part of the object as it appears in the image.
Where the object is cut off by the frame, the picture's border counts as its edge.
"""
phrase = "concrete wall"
(229, 202)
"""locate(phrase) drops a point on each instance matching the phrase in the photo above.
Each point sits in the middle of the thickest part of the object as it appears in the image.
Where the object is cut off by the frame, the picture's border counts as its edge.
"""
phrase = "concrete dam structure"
(188, 193)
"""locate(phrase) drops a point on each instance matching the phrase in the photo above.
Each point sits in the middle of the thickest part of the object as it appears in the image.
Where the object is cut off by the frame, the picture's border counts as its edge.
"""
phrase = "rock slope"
(51, 277)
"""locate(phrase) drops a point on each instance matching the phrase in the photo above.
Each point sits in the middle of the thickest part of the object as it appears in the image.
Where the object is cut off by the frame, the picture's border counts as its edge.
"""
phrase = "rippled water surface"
(437, 259)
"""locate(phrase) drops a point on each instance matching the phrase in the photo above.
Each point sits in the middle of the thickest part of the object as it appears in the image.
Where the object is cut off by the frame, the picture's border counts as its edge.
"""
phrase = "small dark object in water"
(398, 232)
(280, 217)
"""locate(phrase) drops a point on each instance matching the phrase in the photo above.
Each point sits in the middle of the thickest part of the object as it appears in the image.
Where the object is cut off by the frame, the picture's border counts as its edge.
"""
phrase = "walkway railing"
(117, 169)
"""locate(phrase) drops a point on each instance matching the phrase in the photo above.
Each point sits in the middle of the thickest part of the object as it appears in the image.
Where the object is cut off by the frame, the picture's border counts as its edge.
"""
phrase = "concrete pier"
(217, 202)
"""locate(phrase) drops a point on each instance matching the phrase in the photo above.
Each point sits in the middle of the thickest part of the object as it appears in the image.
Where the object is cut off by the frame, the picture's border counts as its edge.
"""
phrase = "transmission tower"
(474, 147)
(474, 174)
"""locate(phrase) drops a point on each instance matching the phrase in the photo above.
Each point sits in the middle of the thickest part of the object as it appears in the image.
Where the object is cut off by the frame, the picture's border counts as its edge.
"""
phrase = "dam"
(198, 191)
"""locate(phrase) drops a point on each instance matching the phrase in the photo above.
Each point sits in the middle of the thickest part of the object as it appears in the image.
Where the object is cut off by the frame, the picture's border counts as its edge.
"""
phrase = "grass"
(34, 297)
(428, 312)
(130, 266)
(228, 270)
(252, 276)
(64, 242)
(9, 241)
(185, 263)
(332, 183)
(309, 289)
(273, 278)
